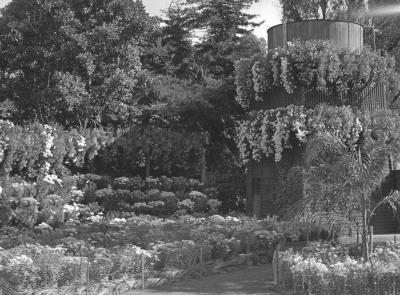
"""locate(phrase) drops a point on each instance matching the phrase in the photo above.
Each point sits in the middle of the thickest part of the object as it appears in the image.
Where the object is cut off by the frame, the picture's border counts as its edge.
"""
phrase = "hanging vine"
(311, 64)
(268, 132)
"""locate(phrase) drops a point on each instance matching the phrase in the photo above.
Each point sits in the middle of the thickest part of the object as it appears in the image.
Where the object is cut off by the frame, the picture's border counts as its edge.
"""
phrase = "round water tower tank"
(344, 35)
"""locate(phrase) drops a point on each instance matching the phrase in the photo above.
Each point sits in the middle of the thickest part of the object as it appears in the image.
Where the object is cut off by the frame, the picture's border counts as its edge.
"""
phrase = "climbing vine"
(268, 132)
(311, 64)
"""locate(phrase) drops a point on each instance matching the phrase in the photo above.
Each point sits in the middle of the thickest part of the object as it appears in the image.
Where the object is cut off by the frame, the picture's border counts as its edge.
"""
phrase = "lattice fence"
(57, 274)
(60, 274)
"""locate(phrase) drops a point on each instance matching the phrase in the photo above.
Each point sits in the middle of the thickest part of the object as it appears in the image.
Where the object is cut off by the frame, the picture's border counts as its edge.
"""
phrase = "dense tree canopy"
(222, 25)
(297, 10)
(75, 61)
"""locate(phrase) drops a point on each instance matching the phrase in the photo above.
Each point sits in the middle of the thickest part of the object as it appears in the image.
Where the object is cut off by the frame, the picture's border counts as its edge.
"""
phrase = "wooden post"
(395, 239)
(274, 267)
(201, 255)
(278, 266)
(143, 280)
(309, 276)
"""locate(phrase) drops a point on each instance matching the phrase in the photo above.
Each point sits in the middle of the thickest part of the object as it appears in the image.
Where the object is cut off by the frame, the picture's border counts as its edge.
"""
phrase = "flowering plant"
(332, 269)
(311, 64)
(268, 132)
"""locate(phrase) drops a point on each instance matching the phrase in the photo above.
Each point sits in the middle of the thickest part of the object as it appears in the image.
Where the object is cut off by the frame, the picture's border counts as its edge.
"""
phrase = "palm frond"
(323, 147)
(393, 200)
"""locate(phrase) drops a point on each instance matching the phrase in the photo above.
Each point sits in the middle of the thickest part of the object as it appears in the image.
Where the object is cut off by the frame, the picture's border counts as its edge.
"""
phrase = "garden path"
(256, 280)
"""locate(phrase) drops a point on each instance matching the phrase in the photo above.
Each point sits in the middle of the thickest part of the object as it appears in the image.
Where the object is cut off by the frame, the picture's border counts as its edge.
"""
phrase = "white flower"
(48, 141)
(81, 143)
(44, 226)
(6, 123)
(70, 208)
(21, 259)
(95, 218)
(76, 194)
(46, 167)
(233, 219)
(52, 179)
(117, 221)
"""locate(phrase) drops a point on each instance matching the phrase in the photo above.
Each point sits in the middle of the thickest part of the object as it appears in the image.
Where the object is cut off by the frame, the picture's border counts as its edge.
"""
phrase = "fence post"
(201, 254)
(274, 270)
(309, 275)
(87, 276)
(276, 265)
(395, 239)
(142, 271)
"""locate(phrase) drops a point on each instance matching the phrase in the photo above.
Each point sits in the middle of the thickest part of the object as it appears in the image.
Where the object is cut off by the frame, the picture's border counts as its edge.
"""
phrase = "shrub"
(148, 196)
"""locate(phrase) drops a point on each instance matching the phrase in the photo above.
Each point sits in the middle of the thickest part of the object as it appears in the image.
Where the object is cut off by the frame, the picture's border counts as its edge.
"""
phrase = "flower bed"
(77, 199)
(156, 196)
(321, 269)
(94, 234)
(164, 249)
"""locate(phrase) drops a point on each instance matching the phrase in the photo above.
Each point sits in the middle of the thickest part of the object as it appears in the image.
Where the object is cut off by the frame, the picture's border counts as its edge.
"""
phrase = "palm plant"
(342, 178)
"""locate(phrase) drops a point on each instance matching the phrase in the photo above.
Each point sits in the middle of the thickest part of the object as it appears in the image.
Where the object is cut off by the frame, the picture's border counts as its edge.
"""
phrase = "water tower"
(263, 177)
(343, 35)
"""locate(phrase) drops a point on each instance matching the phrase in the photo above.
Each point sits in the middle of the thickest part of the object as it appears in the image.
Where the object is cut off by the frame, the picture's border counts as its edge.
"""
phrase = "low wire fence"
(125, 270)
(313, 277)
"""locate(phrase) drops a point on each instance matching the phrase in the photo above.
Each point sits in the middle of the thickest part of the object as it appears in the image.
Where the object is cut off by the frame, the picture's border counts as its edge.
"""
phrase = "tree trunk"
(203, 165)
(364, 234)
(148, 168)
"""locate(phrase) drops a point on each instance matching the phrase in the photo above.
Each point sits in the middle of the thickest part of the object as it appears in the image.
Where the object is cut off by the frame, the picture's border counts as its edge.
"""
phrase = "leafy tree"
(75, 61)
(176, 34)
(293, 10)
(223, 24)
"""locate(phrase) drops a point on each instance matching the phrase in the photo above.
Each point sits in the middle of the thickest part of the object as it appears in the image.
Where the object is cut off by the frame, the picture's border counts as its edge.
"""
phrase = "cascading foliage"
(268, 132)
(312, 64)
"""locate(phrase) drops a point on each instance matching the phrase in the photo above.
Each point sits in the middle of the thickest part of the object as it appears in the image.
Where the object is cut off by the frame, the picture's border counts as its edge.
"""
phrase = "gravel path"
(256, 280)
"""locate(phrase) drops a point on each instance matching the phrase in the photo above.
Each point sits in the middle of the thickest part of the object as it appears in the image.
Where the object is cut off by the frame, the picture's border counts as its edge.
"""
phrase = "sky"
(268, 11)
